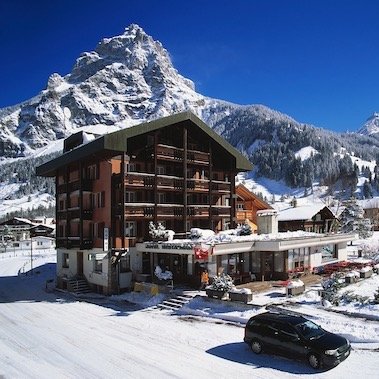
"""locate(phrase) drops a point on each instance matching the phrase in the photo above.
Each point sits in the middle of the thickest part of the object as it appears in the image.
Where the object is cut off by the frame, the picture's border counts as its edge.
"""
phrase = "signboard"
(106, 239)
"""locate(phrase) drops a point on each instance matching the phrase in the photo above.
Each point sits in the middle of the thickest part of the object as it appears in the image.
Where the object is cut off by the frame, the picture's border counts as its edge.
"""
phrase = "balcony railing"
(220, 186)
(221, 210)
(198, 185)
(198, 157)
(198, 211)
(169, 182)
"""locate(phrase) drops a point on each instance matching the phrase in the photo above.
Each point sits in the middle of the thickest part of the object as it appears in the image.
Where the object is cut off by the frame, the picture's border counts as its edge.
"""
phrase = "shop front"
(245, 261)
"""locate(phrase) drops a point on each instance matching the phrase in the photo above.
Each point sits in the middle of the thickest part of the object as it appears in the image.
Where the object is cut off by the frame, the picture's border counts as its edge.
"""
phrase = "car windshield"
(309, 330)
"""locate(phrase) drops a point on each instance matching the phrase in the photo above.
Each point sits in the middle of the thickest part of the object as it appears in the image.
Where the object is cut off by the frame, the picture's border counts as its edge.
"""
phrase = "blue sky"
(315, 60)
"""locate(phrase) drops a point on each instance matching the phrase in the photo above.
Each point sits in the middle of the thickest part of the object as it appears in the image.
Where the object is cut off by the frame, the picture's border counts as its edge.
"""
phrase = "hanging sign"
(106, 239)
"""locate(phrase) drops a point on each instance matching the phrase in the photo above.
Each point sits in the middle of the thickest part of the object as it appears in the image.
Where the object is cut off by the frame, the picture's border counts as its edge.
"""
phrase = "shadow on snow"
(239, 352)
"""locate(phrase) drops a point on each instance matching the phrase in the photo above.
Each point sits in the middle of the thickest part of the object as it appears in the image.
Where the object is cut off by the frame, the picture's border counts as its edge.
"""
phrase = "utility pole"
(31, 255)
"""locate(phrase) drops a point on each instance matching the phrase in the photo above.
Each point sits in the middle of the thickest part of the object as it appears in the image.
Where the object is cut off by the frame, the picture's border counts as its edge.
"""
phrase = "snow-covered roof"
(302, 212)
(369, 203)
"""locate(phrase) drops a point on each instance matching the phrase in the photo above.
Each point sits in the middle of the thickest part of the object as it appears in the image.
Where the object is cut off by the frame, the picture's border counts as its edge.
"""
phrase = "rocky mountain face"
(130, 78)
(371, 126)
(127, 79)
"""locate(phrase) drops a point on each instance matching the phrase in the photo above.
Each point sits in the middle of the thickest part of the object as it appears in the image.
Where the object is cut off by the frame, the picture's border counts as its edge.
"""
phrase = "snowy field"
(45, 334)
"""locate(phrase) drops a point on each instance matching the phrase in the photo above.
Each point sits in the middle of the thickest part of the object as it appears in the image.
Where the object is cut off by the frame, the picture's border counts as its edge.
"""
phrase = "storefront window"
(328, 253)
(298, 259)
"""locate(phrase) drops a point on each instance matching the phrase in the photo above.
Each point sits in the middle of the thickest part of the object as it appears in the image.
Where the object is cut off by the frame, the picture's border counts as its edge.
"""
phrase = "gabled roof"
(369, 203)
(17, 221)
(118, 142)
(301, 212)
(246, 194)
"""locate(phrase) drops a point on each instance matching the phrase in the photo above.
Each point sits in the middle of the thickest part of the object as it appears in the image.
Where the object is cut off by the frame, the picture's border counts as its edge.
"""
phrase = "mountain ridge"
(130, 78)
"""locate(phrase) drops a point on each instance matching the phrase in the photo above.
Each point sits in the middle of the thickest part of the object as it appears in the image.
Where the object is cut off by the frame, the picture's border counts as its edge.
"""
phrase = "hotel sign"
(169, 246)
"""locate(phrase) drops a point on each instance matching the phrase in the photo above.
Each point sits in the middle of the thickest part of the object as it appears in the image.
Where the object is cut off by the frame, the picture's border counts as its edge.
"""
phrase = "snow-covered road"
(51, 335)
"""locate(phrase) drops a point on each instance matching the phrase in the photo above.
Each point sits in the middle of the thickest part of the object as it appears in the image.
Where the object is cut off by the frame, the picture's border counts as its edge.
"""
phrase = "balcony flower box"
(217, 294)
(220, 286)
(295, 287)
(243, 295)
(365, 272)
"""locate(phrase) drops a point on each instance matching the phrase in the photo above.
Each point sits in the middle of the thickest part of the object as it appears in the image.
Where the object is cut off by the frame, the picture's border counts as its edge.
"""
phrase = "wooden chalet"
(248, 204)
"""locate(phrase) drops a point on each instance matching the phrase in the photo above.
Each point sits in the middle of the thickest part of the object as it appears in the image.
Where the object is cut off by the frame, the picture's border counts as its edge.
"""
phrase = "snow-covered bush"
(159, 232)
(162, 275)
(222, 282)
(197, 233)
(376, 296)
(244, 229)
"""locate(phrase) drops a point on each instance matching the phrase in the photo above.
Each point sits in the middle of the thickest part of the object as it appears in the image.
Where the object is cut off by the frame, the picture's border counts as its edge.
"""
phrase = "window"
(62, 205)
(65, 260)
(130, 197)
(98, 200)
(125, 263)
(160, 170)
(240, 206)
(101, 199)
(328, 253)
(131, 167)
(92, 172)
(130, 229)
(161, 198)
(98, 266)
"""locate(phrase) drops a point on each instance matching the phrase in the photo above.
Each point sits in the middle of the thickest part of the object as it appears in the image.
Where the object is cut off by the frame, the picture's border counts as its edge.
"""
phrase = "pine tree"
(352, 220)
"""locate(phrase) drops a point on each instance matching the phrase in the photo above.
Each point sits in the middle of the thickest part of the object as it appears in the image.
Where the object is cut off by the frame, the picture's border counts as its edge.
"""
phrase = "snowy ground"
(53, 335)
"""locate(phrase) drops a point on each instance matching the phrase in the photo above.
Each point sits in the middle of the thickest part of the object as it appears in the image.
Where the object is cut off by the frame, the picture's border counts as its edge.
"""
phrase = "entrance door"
(79, 259)
(179, 267)
(267, 265)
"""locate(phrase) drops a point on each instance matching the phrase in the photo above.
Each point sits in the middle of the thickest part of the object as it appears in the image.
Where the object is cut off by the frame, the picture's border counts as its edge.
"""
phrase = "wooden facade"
(247, 206)
(309, 219)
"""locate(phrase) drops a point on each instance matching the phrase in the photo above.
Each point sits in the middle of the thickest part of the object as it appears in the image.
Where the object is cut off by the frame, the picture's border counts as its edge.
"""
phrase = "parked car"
(295, 336)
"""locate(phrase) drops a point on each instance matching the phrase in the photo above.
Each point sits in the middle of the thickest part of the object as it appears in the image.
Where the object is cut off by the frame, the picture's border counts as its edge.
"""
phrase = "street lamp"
(31, 255)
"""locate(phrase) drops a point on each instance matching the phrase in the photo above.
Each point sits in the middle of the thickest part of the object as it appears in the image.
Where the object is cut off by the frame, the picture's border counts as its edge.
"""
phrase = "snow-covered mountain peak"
(371, 126)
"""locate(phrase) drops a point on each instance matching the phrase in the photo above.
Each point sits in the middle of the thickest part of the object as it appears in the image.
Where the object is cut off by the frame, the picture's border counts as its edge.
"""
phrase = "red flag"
(201, 253)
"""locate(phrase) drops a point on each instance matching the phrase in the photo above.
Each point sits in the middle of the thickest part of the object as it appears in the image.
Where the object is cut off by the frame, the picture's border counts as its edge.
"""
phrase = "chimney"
(267, 221)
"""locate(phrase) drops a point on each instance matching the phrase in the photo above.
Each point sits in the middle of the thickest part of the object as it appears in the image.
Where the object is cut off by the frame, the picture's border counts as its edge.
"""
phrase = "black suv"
(295, 336)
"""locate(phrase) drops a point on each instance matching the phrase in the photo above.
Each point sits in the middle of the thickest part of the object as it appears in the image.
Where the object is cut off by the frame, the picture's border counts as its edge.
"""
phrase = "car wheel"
(256, 346)
(314, 360)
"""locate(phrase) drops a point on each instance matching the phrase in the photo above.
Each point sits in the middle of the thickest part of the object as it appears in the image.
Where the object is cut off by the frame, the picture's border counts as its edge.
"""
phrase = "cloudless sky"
(315, 60)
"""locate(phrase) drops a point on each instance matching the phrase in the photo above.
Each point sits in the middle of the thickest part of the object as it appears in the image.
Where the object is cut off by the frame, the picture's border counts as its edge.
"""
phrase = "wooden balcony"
(62, 188)
(173, 153)
(84, 185)
(221, 211)
(198, 210)
(165, 182)
(139, 180)
(83, 214)
(138, 210)
(166, 152)
(198, 157)
(221, 187)
(198, 185)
